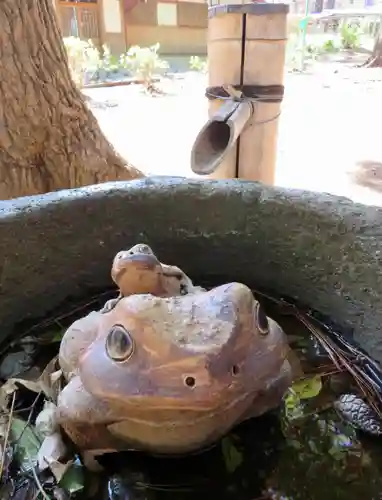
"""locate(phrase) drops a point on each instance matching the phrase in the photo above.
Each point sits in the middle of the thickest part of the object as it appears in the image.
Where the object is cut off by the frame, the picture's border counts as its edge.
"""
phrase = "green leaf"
(232, 456)
(57, 337)
(26, 441)
(292, 404)
(366, 460)
(73, 480)
(291, 400)
(313, 446)
(293, 443)
(309, 388)
(336, 453)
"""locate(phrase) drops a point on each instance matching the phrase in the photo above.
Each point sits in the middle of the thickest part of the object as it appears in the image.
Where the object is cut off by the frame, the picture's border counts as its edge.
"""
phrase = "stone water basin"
(318, 250)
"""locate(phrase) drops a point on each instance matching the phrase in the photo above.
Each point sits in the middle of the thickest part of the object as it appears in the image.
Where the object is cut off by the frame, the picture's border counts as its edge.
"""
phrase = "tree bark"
(375, 60)
(49, 139)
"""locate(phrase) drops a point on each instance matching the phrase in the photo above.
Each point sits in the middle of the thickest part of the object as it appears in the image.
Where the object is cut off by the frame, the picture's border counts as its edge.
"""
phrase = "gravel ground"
(328, 128)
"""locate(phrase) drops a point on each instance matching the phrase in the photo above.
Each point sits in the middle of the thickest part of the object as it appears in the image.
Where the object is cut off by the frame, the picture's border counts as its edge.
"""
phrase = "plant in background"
(124, 64)
(313, 51)
(82, 56)
(197, 64)
(293, 51)
(330, 46)
(86, 61)
(145, 63)
(350, 36)
(109, 63)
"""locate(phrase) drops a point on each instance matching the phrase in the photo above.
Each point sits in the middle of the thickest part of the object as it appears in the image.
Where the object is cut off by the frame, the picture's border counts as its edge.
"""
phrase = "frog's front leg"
(84, 418)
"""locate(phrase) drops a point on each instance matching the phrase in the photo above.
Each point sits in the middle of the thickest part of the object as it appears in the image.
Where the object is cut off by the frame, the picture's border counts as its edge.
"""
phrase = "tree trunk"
(375, 60)
(49, 139)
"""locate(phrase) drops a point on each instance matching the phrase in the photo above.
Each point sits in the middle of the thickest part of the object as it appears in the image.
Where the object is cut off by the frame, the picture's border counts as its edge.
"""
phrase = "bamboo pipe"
(246, 49)
(219, 135)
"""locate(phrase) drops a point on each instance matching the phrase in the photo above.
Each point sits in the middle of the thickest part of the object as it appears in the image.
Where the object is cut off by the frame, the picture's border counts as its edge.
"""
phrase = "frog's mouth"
(201, 353)
(239, 408)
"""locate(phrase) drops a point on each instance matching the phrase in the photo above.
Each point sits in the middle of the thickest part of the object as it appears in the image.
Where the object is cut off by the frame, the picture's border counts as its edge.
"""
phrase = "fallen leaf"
(73, 479)
(293, 407)
(90, 462)
(51, 451)
(50, 379)
(3, 425)
(10, 386)
(46, 421)
(232, 456)
(57, 336)
(295, 364)
(366, 460)
(294, 444)
(6, 455)
(59, 469)
(308, 388)
(48, 383)
(26, 442)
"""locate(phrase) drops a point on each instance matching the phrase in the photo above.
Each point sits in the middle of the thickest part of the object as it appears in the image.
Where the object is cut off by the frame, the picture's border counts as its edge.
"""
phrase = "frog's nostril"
(189, 381)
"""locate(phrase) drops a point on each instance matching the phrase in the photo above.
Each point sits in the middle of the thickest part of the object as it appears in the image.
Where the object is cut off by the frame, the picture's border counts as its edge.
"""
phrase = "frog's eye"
(262, 320)
(119, 344)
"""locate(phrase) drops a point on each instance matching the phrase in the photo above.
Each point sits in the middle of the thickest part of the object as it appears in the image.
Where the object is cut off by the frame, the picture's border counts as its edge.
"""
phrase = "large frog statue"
(168, 367)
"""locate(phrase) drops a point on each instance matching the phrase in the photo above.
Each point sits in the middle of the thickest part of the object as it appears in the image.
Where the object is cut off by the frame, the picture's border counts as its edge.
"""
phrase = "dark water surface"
(318, 460)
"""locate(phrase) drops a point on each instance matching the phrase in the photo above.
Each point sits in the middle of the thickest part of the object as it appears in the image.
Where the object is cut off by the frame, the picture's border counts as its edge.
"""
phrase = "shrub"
(82, 56)
(330, 46)
(197, 64)
(350, 36)
(145, 63)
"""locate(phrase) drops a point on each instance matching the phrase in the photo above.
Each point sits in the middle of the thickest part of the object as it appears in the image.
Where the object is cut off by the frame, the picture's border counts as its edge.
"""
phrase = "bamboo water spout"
(219, 135)
(246, 49)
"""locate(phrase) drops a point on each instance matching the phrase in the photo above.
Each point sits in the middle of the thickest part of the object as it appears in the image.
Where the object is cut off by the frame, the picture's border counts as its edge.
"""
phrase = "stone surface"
(318, 249)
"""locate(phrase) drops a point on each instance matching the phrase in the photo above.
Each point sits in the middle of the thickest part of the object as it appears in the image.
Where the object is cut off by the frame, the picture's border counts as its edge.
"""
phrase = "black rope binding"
(254, 93)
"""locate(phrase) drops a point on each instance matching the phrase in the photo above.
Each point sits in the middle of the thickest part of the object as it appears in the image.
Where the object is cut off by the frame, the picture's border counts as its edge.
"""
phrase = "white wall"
(112, 16)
